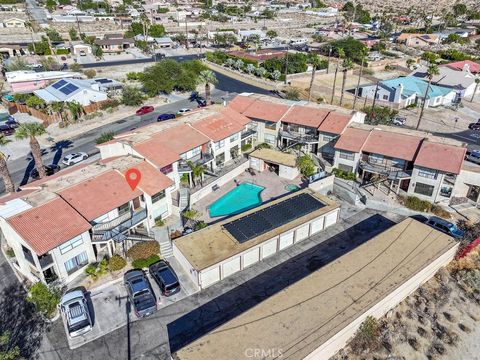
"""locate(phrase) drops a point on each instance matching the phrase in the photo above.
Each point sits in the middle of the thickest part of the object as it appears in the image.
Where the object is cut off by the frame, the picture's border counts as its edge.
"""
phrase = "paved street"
(184, 321)
(38, 13)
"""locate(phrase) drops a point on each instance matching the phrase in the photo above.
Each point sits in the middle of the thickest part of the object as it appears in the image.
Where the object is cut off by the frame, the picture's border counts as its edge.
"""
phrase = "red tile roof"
(99, 195)
(335, 123)
(305, 115)
(441, 157)
(222, 125)
(180, 138)
(240, 103)
(352, 139)
(458, 65)
(157, 153)
(152, 181)
(49, 225)
(392, 144)
(265, 110)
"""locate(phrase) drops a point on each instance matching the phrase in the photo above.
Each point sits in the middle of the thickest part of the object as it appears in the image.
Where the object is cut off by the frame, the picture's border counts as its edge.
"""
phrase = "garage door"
(209, 277)
(251, 257)
(286, 240)
(302, 233)
(231, 267)
(317, 226)
(331, 219)
(269, 248)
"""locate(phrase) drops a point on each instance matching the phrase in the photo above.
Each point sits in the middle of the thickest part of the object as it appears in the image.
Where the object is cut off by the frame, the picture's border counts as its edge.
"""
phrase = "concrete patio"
(273, 184)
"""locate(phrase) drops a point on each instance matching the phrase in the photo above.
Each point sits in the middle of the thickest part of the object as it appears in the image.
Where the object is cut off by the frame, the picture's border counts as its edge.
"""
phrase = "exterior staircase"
(166, 249)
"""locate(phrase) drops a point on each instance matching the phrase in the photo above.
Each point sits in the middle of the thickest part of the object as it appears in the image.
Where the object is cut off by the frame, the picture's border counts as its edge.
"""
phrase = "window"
(346, 168)
(385, 97)
(71, 244)
(375, 159)
(346, 155)
(28, 255)
(158, 196)
(428, 173)
(234, 137)
(219, 144)
(270, 125)
(270, 139)
(166, 169)
(123, 209)
(328, 138)
(424, 189)
(191, 153)
(76, 263)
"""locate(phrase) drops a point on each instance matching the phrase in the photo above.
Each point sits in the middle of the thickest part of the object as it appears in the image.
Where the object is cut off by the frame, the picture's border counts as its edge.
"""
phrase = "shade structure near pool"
(244, 197)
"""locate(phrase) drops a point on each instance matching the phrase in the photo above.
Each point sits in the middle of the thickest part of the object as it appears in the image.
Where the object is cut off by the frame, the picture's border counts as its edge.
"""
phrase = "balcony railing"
(300, 137)
(45, 260)
(392, 172)
(202, 160)
(116, 233)
(247, 133)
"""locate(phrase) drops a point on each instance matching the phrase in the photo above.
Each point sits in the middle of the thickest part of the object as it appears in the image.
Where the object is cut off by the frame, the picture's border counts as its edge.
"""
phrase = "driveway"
(174, 326)
(109, 310)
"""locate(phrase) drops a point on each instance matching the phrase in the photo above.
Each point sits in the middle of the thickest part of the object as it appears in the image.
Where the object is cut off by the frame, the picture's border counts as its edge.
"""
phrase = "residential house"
(404, 91)
(57, 225)
(114, 43)
(418, 164)
(26, 81)
(418, 40)
(14, 23)
(452, 76)
(84, 92)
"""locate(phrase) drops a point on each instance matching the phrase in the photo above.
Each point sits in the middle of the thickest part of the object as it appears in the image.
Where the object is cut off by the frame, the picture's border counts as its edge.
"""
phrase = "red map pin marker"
(133, 177)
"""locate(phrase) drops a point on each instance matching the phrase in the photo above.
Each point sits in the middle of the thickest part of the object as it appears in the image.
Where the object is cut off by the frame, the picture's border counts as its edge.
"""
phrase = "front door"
(473, 193)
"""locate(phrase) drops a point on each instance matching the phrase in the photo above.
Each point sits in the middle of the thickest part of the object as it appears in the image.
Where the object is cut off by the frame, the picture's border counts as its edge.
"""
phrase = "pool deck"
(273, 184)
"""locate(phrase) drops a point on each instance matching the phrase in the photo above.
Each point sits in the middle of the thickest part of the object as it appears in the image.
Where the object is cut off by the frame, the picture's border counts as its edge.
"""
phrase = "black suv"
(165, 277)
(140, 293)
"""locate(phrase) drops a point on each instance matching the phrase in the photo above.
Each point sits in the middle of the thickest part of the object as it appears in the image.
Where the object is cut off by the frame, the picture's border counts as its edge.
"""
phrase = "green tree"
(292, 93)
(53, 34)
(31, 131)
(45, 299)
(306, 165)
(197, 171)
(75, 67)
(352, 48)
(132, 96)
(58, 107)
(380, 115)
(50, 64)
(97, 51)
(272, 34)
(431, 72)
(8, 352)
(477, 83)
(459, 9)
(411, 62)
(75, 109)
(51, 5)
(90, 73)
(17, 64)
(207, 77)
(35, 102)
(73, 34)
(4, 172)
(157, 30)
(104, 137)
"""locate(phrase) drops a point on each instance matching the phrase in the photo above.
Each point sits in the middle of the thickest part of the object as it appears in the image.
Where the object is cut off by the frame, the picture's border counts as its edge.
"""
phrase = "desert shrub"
(10, 253)
(246, 147)
(263, 146)
(143, 250)
(200, 225)
(439, 211)
(44, 298)
(116, 263)
(90, 73)
(134, 75)
(367, 336)
(159, 222)
(342, 174)
(104, 137)
(110, 103)
(414, 203)
(91, 270)
(144, 263)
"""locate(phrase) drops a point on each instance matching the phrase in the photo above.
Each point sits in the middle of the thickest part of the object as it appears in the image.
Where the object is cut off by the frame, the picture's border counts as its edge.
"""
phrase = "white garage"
(220, 250)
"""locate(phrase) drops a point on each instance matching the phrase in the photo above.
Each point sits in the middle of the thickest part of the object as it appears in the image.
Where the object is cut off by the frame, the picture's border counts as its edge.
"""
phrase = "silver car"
(76, 316)
(74, 158)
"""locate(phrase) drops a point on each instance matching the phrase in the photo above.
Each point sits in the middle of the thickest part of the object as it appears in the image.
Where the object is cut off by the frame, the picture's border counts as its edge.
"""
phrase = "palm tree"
(58, 107)
(31, 131)
(347, 65)
(477, 82)
(363, 55)
(29, 26)
(340, 54)
(315, 61)
(75, 109)
(197, 171)
(431, 72)
(207, 77)
(4, 173)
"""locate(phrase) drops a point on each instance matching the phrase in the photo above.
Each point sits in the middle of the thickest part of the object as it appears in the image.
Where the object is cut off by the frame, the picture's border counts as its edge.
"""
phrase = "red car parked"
(144, 110)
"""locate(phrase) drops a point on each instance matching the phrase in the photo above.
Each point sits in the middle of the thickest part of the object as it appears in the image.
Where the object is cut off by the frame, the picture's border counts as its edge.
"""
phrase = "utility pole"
(358, 83)
(329, 56)
(186, 32)
(375, 97)
(286, 65)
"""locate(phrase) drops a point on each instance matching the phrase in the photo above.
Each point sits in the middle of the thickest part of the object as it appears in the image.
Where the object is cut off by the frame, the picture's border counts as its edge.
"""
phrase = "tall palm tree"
(58, 107)
(76, 109)
(197, 171)
(207, 77)
(31, 131)
(431, 72)
(315, 61)
(347, 65)
(29, 26)
(4, 173)
(363, 55)
(341, 55)
(477, 82)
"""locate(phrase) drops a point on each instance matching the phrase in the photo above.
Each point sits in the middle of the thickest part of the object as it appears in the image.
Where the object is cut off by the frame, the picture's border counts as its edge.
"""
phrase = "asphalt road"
(38, 13)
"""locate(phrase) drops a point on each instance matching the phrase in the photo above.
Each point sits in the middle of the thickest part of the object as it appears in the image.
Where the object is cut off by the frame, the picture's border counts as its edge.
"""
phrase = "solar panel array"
(269, 218)
(59, 84)
(103, 81)
(68, 89)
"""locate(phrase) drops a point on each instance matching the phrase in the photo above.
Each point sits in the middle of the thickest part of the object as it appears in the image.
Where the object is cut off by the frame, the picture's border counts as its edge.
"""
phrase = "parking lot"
(110, 311)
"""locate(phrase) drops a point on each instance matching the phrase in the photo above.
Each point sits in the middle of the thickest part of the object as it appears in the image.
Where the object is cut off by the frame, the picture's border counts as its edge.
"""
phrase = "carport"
(283, 164)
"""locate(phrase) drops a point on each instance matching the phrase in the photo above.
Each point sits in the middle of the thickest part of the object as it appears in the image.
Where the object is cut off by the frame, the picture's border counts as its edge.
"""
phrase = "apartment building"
(419, 164)
(57, 225)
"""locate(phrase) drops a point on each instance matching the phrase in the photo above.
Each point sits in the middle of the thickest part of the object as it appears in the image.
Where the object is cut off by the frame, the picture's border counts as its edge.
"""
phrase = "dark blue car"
(165, 277)
(164, 117)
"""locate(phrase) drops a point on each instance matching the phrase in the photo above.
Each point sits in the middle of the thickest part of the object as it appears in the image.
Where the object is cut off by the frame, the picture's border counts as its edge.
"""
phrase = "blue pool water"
(244, 197)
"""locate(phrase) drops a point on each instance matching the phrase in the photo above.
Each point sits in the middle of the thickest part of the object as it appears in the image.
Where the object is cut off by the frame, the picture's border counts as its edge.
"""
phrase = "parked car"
(6, 130)
(399, 121)
(83, 53)
(183, 111)
(474, 126)
(445, 227)
(75, 313)
(140, 293)
(145, 110)
(164, 117)
(201, 101)
(49, 170)
(74, 158)
(474, 156)
(165, 277)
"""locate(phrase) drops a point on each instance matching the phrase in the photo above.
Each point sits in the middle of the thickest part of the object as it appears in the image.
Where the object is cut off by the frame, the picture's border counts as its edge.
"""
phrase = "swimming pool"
(244, 197)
